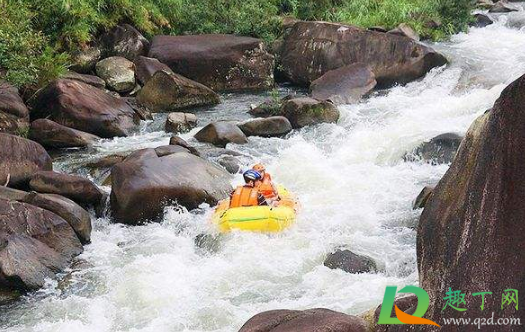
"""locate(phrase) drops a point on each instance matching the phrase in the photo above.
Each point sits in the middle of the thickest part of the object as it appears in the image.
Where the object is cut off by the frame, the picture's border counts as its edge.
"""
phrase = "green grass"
(37, 36)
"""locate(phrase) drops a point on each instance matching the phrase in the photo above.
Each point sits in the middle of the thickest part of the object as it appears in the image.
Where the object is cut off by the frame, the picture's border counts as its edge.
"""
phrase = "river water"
(354, 187)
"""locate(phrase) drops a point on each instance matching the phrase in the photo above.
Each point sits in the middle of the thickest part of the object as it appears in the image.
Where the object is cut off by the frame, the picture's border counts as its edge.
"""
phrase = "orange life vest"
(265, 186)
(244, 196)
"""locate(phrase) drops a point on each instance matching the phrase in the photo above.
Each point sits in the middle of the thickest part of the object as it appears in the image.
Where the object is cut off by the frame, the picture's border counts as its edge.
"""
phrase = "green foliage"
(34, 35)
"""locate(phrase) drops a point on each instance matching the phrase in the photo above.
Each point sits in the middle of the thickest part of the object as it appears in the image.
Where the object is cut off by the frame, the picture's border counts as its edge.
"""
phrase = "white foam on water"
(355, 192)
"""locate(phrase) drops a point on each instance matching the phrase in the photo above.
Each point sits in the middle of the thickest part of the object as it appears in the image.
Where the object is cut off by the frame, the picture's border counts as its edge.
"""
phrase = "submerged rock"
(143, 184)
(221, 62)
(274, 126)
(311, 49)
(439, 150)
(302, 112)
(481, 21)
(83, 107)
(221, 133)
(180, 122)
(53, 135)
(20, 158)
(349, 262)
(34, 245)
(118, 73)
(474, 224)
(125, 41)
(76, 188)
(311, 320)
(503, 6)
(165, 92)
(345, 85)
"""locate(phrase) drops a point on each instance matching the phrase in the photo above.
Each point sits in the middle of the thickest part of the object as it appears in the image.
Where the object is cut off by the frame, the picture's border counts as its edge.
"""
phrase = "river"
(355, 190)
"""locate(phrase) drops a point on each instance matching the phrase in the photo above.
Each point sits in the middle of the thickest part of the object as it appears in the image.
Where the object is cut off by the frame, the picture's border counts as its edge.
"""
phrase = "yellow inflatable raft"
(264, 219)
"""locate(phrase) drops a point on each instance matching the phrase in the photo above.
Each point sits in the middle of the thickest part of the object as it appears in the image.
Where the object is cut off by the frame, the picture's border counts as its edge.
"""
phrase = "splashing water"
(355, 192)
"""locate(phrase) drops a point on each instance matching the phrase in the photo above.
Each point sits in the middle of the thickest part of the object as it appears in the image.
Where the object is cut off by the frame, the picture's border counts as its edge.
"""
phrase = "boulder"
(83, 107)
(166, 92)
(125, 41)
(166, 150)
(53, 135)
(140, 110)
(221, 133)
(503, 6)
(221, 62)
(311, 49)
(34, 245)
(423, 197)
(481, 21)
(76, 188)
(266, 109)
(407, 304)
(306, 111)
(273, 126)
(84, 61)
(14, 115)
(405, 30)
(20, 158)
(439, 150)
(473, 225)
(93, 80)
(345, 85)
(118, 73)
(146, 67)
(180, 122)
(143, 184)
(176, 140)
(311, 320)
(230, 163)
(76, 216)
(349, 262)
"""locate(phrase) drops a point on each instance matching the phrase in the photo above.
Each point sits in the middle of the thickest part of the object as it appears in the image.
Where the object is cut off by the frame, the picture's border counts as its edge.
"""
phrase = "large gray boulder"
(302, 112)
(439, 150)
(53, 135)
(221, 62)
(345, 85)
(74, 187)
(311, 320)
(83, 107)
(310, 49)
(221, 133)
(349, 262)
(20, 158)
(166, 92)
(118, 73)
(14, 115)
(143, 184)
(125, 41)
(274, 126)
(34, 245)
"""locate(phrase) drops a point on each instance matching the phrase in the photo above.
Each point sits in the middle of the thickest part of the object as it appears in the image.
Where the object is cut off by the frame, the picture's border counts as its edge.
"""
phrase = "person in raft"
(265, 185)
(249, 194)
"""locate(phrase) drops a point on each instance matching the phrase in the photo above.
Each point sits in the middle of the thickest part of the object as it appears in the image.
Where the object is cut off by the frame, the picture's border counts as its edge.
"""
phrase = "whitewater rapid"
(354, 187)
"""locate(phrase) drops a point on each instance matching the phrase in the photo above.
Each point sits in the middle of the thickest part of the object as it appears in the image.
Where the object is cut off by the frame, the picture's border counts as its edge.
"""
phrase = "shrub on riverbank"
(35, 36)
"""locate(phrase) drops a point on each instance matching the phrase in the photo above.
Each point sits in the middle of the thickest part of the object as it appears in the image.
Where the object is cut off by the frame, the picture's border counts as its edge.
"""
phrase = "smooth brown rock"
(345, 85)
(166, 92)
(143, 184)
(311, 49)
(125, 41)
(14, 115)
(20, 158)
(83, 107)
(306, 111)
(221, 133)
(76, 188)
(221, 62)
(34, 245)
(274, 126)
(53, 135)
(93, 80)
(176, 140)
(146, 67)
(166, 150)
(311, 320)
(471, 235)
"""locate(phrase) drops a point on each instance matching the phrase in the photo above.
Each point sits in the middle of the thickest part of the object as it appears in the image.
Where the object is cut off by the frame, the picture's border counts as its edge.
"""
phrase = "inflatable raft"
(264, 219)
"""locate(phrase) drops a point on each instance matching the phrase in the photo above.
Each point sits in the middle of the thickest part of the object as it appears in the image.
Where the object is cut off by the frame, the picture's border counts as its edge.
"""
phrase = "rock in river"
(306, 111)
(118, 73)
(273, 126)
(349, 262)
(221, 133)
(221, 62)
(180, 122)
(53, 135)
(143, 184)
